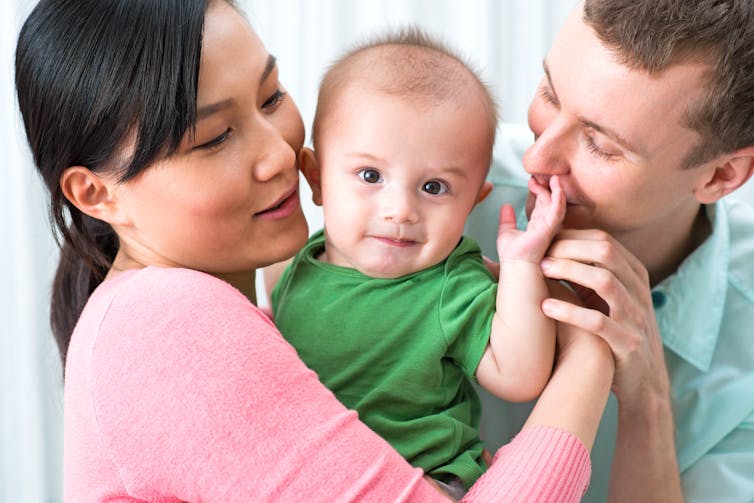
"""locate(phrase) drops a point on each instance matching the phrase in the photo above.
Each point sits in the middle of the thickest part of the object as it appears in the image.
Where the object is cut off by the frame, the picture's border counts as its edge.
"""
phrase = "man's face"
(616, 136)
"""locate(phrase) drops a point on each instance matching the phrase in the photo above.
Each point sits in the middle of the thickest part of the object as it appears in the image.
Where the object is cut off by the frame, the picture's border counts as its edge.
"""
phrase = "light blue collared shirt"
(705, 312)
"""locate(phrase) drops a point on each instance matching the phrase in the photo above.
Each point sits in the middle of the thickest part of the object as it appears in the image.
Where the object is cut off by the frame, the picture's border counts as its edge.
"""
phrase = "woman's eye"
(435, 187)
(214, 142)
(274, 100)
(370, 175)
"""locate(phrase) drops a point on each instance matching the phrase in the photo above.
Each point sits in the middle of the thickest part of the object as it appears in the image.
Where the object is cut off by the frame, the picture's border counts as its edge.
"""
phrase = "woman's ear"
(727, 174)
(92, 194)
(307, 163)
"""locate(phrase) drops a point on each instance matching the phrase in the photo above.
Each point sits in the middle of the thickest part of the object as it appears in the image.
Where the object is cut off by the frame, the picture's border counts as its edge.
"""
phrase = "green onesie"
(399, 351)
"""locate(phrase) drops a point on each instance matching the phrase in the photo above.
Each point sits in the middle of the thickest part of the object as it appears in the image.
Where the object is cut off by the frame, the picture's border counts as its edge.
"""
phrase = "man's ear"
(92, 194)
(307, 163)
(484, 191)
(726, 175)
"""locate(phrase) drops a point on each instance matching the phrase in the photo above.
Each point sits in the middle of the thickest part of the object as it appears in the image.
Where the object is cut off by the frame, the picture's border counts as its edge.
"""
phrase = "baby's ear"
(307, 163)
(727, 174)
(93, 195)
(484, 191)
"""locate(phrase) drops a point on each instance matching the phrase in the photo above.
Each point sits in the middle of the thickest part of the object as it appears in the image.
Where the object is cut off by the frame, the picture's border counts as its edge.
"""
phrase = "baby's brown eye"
(435, 187)
(370, 175)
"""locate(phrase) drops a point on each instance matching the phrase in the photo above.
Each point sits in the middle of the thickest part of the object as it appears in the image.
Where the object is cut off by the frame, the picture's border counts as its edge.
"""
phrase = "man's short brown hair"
(652, 35)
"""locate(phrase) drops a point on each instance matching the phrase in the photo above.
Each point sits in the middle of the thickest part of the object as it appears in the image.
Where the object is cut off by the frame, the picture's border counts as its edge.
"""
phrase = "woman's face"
(227, 201)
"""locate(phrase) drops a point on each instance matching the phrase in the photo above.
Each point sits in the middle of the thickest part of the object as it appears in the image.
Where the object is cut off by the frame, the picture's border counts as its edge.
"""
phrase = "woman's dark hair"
(93, 76)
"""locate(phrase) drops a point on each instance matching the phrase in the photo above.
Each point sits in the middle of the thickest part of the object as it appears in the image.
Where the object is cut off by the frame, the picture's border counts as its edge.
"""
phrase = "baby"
(390, 304)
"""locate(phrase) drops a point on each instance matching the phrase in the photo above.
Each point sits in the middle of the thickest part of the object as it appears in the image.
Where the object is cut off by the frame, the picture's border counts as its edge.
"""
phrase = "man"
(646, 113)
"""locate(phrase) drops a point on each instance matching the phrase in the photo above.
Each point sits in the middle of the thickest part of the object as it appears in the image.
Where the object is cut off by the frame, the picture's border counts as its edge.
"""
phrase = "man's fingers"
(584, 318)
(602, 281)
(607, 254)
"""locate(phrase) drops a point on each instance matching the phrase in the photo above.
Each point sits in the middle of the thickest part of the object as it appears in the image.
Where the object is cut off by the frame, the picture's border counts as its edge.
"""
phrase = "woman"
(168, 147)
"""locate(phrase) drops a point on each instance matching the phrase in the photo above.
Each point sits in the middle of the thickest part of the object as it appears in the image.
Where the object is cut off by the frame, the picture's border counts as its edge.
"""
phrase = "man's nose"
(550, 153)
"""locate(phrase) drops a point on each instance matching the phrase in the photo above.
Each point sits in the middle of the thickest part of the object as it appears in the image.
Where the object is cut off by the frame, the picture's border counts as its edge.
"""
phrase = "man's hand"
(614, 287)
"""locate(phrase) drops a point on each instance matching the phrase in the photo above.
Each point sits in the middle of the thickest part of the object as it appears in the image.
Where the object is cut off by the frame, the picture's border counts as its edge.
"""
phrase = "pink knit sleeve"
(198, 398)
(541, 464)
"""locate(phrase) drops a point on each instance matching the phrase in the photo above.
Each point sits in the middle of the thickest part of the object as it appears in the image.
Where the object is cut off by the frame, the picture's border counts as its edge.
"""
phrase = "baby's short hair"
(407, 62)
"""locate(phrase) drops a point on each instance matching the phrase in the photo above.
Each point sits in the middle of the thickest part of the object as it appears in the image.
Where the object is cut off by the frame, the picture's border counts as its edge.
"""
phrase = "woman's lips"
(283, 209)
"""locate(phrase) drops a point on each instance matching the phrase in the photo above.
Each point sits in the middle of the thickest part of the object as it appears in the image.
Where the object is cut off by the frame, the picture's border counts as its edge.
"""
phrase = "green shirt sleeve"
(467, 306)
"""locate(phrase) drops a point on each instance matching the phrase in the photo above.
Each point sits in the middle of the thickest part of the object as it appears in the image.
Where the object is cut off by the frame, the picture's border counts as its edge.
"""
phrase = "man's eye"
(435, 187)
(550, 98)
(370, 175)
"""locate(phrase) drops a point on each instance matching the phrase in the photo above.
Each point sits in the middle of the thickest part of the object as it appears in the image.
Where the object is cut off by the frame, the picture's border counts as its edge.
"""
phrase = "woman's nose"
(275, 154)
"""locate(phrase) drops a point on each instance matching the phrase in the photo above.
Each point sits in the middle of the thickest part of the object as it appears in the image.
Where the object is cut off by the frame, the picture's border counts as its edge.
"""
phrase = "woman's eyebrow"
(268, 68)
(207, 110)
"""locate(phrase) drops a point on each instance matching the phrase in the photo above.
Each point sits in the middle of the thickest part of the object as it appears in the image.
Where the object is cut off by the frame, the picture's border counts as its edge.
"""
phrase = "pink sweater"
(178, 389)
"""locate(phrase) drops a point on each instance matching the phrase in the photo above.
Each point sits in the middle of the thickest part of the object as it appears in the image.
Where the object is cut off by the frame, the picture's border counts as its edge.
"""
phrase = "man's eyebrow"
(207, 110)
(622, 141)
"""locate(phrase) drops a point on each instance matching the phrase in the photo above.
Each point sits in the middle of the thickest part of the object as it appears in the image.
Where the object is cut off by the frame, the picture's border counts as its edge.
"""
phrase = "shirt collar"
(689, 304)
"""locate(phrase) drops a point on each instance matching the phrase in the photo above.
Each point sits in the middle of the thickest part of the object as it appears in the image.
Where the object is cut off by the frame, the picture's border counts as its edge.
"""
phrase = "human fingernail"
(546, 265)
(549, 307)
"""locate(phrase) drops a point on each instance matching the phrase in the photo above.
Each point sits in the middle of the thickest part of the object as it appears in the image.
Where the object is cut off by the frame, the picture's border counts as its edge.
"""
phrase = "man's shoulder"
(741, 228)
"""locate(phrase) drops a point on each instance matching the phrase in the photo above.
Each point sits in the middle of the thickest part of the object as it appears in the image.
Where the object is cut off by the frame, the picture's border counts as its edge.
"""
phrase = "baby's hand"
(530, 245)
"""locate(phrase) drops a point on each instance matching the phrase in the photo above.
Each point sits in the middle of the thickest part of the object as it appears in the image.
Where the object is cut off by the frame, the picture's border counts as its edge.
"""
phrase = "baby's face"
(399, 179)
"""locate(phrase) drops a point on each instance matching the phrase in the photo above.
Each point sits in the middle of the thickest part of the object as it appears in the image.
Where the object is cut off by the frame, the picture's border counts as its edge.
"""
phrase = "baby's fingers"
(507, 219)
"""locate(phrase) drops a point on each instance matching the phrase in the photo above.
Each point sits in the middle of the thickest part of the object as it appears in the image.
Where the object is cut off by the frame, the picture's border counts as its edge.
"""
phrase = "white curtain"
(506, 39)
(30, 382)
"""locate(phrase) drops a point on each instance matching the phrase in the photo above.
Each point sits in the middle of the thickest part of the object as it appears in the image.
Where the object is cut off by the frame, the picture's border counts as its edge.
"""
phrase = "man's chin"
(577, 217)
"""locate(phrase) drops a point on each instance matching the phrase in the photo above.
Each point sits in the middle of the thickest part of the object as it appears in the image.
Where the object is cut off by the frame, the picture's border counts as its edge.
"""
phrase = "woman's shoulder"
(163, 288)
(166, 279)
(154, 305)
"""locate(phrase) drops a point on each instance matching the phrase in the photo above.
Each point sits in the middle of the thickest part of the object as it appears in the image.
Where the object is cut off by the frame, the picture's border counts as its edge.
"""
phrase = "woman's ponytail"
(88, 250)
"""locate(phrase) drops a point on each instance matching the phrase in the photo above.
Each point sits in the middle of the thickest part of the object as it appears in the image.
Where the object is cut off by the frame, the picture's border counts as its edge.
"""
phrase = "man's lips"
(282, 208)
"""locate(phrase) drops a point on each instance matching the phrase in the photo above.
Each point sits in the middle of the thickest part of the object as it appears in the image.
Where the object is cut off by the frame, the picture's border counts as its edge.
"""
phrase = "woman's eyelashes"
(274, 100)
(270, 104)
(215, 142)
